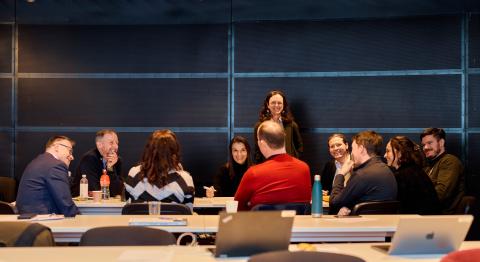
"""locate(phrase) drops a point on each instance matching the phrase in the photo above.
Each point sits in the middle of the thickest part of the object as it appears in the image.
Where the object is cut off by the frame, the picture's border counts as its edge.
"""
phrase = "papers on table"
(157, 221)
(46, 217)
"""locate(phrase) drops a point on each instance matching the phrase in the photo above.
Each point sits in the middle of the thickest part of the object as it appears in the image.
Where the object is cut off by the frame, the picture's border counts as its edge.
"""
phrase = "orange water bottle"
(105, 184)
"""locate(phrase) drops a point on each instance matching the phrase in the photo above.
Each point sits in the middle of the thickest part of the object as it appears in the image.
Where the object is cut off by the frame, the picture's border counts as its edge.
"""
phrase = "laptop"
(251, 232)
(428, 235)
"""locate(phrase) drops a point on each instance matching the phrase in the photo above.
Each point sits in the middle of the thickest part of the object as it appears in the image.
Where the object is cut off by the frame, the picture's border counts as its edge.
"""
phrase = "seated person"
(230, 174)
(415, 189)
(280, 179)
(371, 179)
(338, 149)
(44, 186)
(103, 156)
(160, 176)
(445, 170)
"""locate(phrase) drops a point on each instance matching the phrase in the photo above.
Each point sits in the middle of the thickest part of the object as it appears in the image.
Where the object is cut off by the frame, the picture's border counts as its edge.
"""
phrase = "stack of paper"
(157, 221)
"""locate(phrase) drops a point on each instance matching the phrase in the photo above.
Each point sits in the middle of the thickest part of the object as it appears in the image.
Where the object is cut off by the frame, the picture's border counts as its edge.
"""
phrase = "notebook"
(157, 221)
(248, 233)
(428, 235)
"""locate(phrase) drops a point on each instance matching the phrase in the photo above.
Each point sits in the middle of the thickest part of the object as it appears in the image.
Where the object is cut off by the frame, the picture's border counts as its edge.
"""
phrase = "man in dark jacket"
(44, 187)
(104, 156)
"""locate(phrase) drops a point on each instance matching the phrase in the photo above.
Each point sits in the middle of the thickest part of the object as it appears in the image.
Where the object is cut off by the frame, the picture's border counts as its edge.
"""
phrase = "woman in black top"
(416, 192)
(275, 108)
(230, 174)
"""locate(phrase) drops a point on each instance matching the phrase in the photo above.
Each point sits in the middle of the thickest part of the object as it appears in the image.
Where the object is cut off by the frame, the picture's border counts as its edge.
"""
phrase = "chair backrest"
(127, 236)
(166, 209)
(6, 208)
(300, 208)
(25, 234)
(305, 256)
(376, 207)
(466, 205)
(7, 189)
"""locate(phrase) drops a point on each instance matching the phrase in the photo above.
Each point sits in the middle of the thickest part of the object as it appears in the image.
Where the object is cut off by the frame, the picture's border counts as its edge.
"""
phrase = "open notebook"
(428, 235)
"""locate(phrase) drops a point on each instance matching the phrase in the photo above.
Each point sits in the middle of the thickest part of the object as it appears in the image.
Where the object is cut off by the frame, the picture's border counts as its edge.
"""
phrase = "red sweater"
(280, 179)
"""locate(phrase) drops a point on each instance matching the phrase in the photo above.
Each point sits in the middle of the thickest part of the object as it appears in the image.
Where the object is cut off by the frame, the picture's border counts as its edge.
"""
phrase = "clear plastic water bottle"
(317, 204)
(84, 187)
(105, 185)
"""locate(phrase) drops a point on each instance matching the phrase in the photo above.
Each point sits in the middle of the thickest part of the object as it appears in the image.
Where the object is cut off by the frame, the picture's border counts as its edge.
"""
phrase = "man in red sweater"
(280, 179)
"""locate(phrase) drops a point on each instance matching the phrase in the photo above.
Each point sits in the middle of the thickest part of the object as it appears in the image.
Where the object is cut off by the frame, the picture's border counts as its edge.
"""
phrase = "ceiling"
(219, 11)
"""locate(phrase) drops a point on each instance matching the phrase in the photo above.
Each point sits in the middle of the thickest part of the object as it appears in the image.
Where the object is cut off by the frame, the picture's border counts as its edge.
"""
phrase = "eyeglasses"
(70, 150)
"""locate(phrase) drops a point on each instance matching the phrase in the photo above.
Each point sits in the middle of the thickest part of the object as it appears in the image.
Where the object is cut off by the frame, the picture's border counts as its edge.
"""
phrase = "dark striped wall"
(207, 81)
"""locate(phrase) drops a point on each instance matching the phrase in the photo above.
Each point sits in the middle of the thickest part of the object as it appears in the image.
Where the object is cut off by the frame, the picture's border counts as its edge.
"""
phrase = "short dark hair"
(54, 139)
(369, 139)
(100, 134)
(436, 132)
(273, 133)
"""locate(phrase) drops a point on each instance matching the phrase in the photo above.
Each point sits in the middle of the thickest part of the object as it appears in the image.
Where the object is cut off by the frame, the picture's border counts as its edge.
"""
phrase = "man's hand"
(112, 158)
(209, 191)
(346, 168)
(344, 211)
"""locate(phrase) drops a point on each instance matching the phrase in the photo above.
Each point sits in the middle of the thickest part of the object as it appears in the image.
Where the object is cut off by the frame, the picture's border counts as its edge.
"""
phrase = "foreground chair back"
(25, 234)
(6, 208)
(376, 207)
(300, 208)
(166, 209)
(304, 256)
(7, 189)
(127, 236)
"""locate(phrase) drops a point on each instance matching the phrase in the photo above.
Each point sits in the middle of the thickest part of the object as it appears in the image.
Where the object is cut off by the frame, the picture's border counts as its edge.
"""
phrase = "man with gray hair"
(280, 179)
(104, 156)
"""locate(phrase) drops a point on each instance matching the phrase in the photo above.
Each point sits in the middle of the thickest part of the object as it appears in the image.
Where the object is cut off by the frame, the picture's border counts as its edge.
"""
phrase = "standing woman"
(160, 176)
(338, 149)
(416, 192)
(230, 174)
(275, 107)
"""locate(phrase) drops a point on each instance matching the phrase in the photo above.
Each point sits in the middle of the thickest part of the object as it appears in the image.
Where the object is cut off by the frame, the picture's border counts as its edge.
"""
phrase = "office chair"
(6, 208)
(304, 256)
(166, 209)
(300, 208)
(25, 234)
(376, 207)
(7, 189)
(466, 205)
(127, 236)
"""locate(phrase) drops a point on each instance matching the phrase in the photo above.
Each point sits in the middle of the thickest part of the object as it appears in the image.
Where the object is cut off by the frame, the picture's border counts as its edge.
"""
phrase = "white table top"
(182, 253)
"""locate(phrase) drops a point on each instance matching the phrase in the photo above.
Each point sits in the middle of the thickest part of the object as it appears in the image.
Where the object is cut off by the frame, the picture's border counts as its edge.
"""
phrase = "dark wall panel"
(474, 101)
(6, 155)
(202, 154)
(5, 48)
(123, 102)
(107, 49)
(474, 43)
(414, 43)
(5, 102)
(473, 168)
(366, 102)
(7, 10)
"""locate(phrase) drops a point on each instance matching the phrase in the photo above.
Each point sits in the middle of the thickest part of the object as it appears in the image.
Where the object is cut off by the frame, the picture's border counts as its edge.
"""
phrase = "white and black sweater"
(179, 188)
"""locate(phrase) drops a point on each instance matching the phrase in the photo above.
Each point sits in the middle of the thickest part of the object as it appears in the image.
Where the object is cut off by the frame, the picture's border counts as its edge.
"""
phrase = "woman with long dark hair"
(416, 192)
(230, 174)
(160, 176)
(275, 107)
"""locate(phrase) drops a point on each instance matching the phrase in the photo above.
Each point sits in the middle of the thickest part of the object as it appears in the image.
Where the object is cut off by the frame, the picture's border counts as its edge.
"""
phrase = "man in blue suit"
(44, 187)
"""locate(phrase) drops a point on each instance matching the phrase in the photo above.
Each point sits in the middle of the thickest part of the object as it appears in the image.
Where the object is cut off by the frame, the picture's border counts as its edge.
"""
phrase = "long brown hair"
(161, 154)
(248, 161)
(265, 113)
(410, 152)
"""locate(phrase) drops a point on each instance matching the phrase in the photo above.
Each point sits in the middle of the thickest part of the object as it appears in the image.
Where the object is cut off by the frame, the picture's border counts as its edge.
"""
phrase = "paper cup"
(97, 196)
(231, 206)
(154, 208)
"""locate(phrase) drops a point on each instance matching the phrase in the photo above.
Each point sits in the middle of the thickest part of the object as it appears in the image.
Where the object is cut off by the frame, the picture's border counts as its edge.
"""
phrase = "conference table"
(368, 228)
(114, 206)
(186, 253)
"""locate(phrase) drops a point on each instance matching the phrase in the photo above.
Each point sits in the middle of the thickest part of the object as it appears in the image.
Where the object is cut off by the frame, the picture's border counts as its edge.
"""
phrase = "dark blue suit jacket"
(44, 188)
